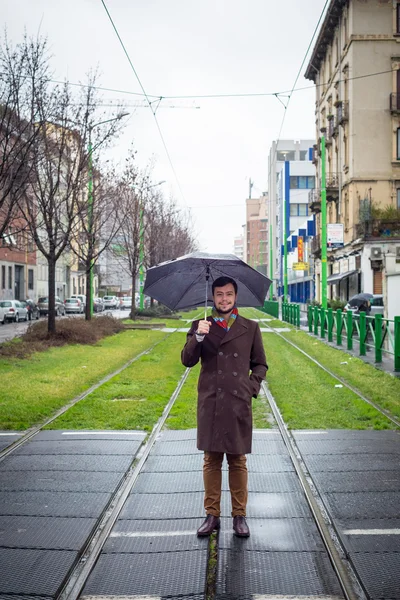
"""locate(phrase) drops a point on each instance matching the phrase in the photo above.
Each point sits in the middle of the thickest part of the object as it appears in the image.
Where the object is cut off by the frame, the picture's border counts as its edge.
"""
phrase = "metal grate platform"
(163, 506)
(69, 434)
(271, 506)
(273, 535)
(59, 481)
(167, 575)
(50, 533)
(241, 575)
(350, 462)
(367, 481)
(35, 572)
(380, 574)
(52, 504)
(63, 463)
(352, 446)
(79, 447)
(360, 505)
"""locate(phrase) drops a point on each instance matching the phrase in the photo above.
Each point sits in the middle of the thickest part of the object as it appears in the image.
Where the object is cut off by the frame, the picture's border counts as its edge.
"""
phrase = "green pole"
(378, 338)
(90, 224)
(339, 326)
(363, 333)
(271, 266)
(349, 329)
(330, 319)
(324, 300)
(141, 257)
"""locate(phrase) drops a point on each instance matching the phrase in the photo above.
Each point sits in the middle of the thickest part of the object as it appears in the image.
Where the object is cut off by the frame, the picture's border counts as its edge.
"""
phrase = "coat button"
(236, 355)
(221, 353)
(235, 392)
(234, 373)
(219, 390)
(220, 372)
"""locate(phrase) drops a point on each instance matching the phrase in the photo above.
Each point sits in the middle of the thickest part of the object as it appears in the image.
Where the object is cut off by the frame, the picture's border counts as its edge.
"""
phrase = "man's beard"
(224, 311)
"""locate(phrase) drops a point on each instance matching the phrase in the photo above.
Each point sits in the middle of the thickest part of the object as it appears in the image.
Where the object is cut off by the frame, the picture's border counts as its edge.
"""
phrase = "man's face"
(224, 298)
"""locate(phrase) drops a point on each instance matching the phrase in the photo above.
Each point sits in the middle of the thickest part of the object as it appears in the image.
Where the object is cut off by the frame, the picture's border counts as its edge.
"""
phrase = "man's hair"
(221, 281)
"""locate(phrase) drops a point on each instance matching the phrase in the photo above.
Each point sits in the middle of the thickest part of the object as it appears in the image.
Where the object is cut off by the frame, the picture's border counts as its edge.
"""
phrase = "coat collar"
(238, 328)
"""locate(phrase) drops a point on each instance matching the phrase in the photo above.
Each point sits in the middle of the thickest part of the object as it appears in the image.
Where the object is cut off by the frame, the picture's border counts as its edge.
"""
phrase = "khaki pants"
(212, 475)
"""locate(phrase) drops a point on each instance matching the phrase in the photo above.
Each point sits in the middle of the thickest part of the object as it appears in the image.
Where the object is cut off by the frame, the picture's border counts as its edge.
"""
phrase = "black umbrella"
(360, 299)
(185, 281)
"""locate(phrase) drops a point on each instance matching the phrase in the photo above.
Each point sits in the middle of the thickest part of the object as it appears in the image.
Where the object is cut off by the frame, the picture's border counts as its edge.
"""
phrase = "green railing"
(271, 308)
(291, 313)
(371, 333)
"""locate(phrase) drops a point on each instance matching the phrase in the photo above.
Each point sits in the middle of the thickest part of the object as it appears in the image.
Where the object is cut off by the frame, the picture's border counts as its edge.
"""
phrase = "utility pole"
(141, 255)
(324, 266)
(285, 256)
(250, 187)
(90, 219)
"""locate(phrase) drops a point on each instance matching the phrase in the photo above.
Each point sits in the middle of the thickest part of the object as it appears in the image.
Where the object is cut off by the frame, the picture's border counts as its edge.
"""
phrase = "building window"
(303, 154)
(30, 279)
(3, 277)
(9, 278)
(398, 143)
(302, 182)
(303, 210)
(398, 198)
(293, 210)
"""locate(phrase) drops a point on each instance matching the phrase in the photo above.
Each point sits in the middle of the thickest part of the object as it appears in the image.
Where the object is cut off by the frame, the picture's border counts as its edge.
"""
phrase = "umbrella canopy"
(184, 282)
(360, 299)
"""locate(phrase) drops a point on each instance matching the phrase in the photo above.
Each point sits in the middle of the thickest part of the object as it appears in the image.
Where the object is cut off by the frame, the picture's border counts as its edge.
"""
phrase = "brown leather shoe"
(240, 526)
(207, 527)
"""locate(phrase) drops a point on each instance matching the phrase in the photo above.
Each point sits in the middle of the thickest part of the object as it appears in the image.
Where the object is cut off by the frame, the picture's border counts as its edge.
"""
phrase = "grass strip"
(31, 390)
(134, 399)
(307, 396)
(381, 387)
(212, 566)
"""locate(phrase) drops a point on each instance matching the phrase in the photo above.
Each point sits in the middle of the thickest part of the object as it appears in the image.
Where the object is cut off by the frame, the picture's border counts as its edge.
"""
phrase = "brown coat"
(225, 388)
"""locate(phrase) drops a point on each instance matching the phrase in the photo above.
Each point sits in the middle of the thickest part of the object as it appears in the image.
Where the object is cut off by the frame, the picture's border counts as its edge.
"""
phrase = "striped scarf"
(221, 321)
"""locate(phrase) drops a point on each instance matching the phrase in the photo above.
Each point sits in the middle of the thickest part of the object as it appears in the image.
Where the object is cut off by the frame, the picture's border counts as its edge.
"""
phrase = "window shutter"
(377, 282)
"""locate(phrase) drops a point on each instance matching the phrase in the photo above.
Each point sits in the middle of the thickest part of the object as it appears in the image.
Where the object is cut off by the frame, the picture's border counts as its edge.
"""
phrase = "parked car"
(125, 303)
(73, 305)
(2, 314)
(110, 302)
(98, 305)
(377, 305)
(43, 304)
(32, 308)
(14, 310)
(80, 297)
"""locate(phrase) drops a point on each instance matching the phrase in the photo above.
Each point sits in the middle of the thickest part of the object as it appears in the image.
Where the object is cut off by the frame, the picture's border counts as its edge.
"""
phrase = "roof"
(325, 37)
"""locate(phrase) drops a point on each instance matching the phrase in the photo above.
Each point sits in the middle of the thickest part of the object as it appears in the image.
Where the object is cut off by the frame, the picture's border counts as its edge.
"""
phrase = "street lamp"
(90, 197)
(141, 245)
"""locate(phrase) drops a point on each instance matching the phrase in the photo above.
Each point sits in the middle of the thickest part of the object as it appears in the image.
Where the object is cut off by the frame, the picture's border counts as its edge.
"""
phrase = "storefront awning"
(337, 277)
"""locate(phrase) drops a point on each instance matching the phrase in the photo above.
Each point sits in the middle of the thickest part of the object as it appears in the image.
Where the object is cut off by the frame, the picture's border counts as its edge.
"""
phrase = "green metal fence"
(371, 333)
(291, 313)
(271, 308)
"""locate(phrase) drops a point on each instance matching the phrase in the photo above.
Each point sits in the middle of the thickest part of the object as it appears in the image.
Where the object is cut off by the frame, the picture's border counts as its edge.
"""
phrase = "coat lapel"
(238, 328)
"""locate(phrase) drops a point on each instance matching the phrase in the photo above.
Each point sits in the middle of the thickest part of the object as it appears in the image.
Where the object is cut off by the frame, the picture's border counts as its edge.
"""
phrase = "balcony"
(332, 187)
(342, 114)
(314, 159)
(316, 246)
(395, 103)
(314, 201)
(379, 228)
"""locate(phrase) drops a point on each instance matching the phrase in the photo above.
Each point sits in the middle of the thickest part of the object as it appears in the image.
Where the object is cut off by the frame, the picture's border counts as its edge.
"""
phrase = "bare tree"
(99, 223)
(22, 69)
(55, 202)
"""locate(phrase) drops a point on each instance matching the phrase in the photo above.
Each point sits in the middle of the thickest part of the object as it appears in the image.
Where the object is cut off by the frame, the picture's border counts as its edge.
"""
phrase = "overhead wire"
(148, 100)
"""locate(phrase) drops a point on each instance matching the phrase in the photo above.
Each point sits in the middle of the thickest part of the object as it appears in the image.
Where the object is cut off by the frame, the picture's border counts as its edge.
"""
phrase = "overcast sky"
(190, 47)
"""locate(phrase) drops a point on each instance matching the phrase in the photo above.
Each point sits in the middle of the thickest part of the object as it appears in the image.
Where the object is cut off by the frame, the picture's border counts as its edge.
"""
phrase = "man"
(229, 347)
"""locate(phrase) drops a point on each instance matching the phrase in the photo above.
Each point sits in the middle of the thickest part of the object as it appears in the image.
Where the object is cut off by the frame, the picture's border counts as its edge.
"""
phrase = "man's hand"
(203, 327)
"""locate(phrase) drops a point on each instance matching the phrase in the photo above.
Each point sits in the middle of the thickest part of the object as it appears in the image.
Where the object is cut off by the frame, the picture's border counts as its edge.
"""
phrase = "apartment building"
(280, 152)
(256, 239)
(355, 65)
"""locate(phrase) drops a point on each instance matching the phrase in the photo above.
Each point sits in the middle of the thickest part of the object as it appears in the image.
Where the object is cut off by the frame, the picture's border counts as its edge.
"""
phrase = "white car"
(110, 302)
(80, 297)
(125, 302)
(73, 305)
(14, 310)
